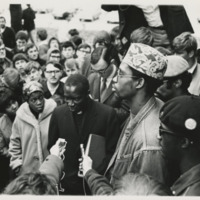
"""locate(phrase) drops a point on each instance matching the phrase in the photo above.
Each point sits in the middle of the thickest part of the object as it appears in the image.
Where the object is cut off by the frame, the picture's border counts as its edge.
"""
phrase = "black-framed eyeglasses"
(84, 51)
(53, 72)
(119, 74)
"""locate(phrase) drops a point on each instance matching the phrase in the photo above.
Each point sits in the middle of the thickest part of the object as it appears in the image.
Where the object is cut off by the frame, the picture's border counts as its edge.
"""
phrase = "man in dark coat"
(7, 34)
(180, 141)
(74, 121)
(104, 70)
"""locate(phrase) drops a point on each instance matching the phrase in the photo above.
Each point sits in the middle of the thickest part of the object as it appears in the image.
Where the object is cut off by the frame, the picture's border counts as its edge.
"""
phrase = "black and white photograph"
(99, 98)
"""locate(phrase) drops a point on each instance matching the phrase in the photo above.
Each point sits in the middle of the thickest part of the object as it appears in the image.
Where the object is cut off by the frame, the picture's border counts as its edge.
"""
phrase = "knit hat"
(146, 60)
(20, 56)
(30, 87)
(182, 115)
(176, 66)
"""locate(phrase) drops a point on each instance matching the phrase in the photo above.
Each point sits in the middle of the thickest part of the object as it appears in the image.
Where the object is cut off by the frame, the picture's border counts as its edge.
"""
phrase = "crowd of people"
(136, 86)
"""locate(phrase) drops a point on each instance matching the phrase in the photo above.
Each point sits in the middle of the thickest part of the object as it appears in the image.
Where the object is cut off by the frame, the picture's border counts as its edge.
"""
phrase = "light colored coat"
(138, 149)
(29, 138)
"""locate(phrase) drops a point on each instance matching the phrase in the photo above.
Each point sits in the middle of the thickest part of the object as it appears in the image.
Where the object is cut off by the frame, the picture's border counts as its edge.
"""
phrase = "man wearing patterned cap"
(138, 149)
(176, 80)
(180, 141)
(29, 138)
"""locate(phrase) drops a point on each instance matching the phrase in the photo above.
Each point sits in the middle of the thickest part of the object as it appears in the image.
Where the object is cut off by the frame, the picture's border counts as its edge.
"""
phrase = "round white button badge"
(190, 124)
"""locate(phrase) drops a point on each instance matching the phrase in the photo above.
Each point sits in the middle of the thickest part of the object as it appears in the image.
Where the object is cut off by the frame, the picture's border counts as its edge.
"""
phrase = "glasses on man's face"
(120, 74)
(84, 51)
(53, 72)
(35, 99)
(55, 56)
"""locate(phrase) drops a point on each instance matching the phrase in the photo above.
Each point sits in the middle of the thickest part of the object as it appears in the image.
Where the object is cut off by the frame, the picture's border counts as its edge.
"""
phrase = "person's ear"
(140, 83)
(185, 143)
(177, 83)
(191, 54)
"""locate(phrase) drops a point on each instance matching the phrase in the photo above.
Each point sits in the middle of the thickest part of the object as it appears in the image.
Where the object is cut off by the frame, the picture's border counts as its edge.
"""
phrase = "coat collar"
(25, 114)
(186, 180)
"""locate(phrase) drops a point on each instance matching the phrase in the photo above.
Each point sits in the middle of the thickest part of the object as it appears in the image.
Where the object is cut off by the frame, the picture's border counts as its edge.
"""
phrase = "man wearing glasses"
(138, 149)
(52, 85)
(180, 141)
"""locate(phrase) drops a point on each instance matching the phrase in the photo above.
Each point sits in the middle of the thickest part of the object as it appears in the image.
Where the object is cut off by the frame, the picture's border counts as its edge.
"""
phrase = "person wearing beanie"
(176, 79)
(180, 140)
(138, 149)
(21, 39)
(29, 138)
(19, 63)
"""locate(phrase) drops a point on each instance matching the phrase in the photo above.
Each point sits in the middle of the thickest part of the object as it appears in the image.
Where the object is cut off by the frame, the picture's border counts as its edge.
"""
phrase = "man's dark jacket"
(98, 119)
(47, 93)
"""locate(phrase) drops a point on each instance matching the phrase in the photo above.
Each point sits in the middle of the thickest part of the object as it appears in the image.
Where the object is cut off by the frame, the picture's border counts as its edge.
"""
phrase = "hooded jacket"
(29, 138)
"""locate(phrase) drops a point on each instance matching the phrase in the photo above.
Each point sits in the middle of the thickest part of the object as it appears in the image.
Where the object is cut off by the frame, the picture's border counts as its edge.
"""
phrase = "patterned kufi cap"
(146, 60)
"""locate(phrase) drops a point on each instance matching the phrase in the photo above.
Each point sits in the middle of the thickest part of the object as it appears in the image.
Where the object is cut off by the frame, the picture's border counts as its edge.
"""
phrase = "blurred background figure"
(7, 34)
(42, 42)
(28, 17)
(8, 108)
(45, 180)
(21, 39)
(83, 54)
(16, 16)
(4, 61)
(185, 45)
(33, 54)
(71, 67)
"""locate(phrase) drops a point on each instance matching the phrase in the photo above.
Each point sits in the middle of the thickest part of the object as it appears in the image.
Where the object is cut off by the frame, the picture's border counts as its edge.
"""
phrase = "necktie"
(103, 88)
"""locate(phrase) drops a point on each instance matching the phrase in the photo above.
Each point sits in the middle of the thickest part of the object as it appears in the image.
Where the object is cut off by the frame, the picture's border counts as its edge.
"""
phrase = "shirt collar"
(192, 69)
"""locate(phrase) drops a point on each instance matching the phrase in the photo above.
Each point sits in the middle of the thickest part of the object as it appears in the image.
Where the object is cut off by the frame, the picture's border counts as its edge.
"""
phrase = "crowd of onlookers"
(137, 86)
